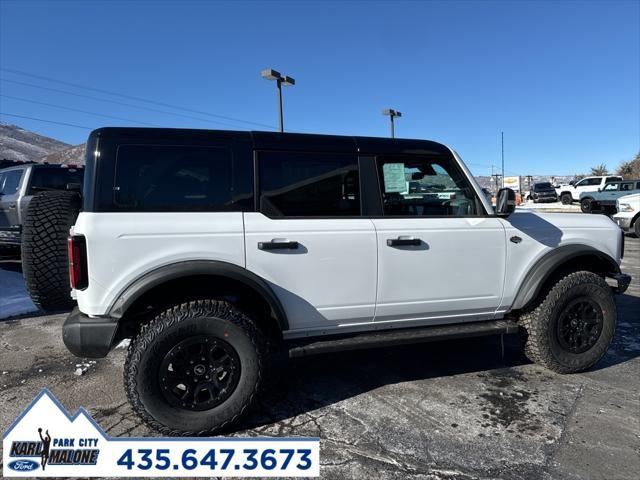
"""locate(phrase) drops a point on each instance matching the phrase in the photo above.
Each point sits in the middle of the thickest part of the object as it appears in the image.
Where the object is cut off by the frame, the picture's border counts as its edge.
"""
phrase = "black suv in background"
(19, 184)
(543, 192)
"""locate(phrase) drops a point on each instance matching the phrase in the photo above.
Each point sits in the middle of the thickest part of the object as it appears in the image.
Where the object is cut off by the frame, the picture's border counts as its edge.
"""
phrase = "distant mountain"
(22, 145)
(74, 155)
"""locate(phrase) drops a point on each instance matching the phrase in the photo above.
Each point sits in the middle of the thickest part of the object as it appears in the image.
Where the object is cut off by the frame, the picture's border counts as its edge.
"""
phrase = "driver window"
(425, 186)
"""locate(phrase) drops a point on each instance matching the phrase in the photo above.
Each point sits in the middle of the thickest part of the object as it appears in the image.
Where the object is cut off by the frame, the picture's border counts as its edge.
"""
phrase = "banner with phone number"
(45, 441)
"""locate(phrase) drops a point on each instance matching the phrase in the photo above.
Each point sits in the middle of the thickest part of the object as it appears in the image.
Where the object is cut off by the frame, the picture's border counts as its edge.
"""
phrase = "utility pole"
(502, 136)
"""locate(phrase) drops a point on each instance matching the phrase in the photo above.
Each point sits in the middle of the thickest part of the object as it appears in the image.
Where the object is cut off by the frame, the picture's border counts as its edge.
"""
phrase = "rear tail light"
(78, 274)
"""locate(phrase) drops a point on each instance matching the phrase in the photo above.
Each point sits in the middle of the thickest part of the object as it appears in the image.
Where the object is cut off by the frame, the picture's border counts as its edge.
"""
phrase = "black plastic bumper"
(88, 337)
(623, 281)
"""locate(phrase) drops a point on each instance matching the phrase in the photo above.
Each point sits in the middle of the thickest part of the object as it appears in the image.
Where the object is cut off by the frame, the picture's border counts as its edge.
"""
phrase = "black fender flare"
(543, 268)
(198, 267)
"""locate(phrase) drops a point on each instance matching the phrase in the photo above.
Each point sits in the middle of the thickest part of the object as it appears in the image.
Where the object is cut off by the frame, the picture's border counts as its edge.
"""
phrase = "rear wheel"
(45, 260)
(571, 328)
(566, 198)
(585, 205)
(195, 369)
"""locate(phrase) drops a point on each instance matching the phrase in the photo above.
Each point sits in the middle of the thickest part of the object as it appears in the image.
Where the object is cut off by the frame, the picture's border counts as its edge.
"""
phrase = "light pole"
(392, 114)
(281, 80)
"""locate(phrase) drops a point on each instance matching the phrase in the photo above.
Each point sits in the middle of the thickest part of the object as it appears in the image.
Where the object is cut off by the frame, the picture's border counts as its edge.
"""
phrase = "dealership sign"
(45, 441)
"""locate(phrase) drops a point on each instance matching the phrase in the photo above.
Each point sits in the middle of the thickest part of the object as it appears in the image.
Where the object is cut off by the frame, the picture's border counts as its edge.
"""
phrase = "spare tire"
(45, 260)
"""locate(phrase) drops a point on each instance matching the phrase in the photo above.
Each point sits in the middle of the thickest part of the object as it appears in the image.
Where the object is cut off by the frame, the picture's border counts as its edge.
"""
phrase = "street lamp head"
(391, 112)
(270, 74)
(288, 81)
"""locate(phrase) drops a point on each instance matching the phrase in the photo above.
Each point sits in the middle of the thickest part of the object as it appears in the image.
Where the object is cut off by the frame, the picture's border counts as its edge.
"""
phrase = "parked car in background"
(571, 192)
(628, 216)
(19, 184)
(543, 192)
(604, 199)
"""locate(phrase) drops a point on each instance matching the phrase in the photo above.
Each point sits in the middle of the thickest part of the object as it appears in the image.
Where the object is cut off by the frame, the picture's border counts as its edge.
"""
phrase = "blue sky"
(561, 79)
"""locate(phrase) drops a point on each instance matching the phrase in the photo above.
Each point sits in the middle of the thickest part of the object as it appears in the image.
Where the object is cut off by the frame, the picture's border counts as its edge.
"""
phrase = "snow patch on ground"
(14, 299)
(553, 206)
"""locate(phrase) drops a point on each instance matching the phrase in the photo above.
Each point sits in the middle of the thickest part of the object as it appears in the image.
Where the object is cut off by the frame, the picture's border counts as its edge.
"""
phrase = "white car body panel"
(138, 243)
(542, 233)
(625, 218)
(330, 280)
(458, 269)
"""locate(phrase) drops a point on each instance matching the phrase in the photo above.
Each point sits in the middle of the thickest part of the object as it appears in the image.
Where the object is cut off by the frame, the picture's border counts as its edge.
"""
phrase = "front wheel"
(585, 205)
(571, 328)
(636, 227)
(566, 199)
(195, 369)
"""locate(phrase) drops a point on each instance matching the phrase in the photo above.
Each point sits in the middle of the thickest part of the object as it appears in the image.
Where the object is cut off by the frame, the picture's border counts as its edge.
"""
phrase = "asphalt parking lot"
(451, 410)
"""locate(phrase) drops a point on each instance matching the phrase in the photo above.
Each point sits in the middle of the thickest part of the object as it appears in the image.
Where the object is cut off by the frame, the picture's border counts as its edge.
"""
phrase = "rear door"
(440, 257)
(308, 240)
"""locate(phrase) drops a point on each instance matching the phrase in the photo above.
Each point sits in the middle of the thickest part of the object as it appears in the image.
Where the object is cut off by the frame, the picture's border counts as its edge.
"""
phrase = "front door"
(309, 241)
(440, 257)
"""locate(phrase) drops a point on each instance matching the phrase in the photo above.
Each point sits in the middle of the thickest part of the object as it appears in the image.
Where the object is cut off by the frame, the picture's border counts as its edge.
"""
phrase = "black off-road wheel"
(195, 369)
(585, 205)
(45, 259)
(572, 326)
(566, 199)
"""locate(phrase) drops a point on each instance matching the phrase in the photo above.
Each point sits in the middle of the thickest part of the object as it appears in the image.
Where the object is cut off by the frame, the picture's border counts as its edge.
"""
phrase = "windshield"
(543, 186)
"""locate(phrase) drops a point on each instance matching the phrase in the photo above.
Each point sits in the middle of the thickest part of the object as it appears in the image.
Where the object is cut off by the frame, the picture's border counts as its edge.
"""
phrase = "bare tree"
(630, 169)
(599, 170)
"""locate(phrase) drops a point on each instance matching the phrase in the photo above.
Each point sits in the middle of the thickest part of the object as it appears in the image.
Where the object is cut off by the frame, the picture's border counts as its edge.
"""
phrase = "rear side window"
(54, 178)
(175, 178)
(308, 184)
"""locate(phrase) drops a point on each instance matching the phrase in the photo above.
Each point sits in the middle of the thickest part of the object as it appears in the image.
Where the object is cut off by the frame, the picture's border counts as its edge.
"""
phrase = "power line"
(132, 97)
(76, 110)
(43, 120)
(115, 102)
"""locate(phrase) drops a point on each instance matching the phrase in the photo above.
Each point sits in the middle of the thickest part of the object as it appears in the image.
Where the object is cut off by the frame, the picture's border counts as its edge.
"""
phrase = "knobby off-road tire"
(45, 260)
(218, 322)
(585, 205)
(541, 324)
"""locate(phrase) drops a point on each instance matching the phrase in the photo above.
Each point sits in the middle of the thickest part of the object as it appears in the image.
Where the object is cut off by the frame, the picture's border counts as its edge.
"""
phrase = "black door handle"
(403, 241)
(278, 245)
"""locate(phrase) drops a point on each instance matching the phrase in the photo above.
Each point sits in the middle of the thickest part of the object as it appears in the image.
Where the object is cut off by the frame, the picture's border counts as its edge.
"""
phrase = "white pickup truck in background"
(568, 193)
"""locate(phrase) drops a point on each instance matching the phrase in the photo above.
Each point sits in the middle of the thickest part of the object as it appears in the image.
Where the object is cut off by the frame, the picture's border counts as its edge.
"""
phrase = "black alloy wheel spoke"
(199, 373)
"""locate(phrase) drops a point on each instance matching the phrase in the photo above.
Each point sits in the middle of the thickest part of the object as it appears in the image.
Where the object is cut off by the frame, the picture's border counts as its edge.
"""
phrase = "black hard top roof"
(283, 141)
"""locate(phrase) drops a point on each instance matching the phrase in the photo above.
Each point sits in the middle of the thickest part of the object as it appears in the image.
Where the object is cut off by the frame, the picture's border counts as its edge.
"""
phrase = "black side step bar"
(405, 336)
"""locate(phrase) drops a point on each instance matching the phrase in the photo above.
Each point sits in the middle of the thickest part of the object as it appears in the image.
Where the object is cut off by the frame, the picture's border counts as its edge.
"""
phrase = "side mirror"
(505, 202)
(599, 189)
(572, 182)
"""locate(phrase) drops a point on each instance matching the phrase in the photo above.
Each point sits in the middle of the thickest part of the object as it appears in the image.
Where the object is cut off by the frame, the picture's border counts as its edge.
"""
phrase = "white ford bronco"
(212, 249)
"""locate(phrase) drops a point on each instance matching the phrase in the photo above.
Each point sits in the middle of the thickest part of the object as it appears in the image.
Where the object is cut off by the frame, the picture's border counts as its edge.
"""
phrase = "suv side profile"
(19, 184)
(571, 192)
(213, 250)
(604, 199)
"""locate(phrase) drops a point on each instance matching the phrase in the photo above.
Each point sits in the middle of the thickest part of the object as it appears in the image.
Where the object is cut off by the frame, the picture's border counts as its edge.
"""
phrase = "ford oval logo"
(23, 465)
